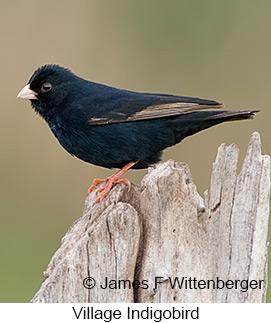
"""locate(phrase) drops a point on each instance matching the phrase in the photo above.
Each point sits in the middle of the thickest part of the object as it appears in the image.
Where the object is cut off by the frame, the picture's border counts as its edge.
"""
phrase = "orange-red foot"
(96, 182)
(110, 181)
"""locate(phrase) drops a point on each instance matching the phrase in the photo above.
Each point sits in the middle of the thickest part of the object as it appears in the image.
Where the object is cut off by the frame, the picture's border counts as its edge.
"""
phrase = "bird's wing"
(149, 106)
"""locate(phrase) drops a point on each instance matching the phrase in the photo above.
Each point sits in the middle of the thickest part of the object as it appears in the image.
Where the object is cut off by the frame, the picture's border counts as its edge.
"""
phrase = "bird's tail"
(233, 115)
(191, 123)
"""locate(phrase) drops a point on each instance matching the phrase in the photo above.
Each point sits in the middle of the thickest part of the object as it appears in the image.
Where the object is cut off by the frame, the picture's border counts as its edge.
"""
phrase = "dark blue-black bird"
(116, 128)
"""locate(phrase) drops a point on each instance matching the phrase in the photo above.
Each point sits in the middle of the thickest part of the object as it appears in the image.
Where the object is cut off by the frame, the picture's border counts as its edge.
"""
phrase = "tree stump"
(163, 242)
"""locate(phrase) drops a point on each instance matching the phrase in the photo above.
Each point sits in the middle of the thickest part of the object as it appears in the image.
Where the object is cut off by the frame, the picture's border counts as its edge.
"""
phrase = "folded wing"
(139, 106)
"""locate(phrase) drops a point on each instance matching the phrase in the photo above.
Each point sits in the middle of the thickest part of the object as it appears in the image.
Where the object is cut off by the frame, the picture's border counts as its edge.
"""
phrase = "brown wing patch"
(154, 112)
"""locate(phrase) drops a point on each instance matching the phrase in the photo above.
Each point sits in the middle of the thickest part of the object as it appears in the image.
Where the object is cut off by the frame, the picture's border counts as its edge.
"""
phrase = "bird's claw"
(110, 182)
(95, 183)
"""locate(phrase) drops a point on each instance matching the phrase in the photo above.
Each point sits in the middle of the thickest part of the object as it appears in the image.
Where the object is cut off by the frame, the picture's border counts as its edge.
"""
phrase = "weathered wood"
(165, 229)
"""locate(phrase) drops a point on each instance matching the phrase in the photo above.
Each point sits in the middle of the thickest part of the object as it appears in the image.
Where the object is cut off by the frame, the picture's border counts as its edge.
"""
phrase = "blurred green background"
(212, 49)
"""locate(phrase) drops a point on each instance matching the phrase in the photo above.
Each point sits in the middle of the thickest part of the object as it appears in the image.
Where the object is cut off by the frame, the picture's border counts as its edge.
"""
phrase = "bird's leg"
(110, 181)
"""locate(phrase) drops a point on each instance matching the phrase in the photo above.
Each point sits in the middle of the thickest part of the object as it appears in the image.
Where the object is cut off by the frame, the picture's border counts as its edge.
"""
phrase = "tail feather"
(234, 115)
(189, 124)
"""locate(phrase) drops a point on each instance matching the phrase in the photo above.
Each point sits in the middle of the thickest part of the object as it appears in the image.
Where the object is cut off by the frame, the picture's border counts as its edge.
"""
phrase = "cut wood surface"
(163, 242)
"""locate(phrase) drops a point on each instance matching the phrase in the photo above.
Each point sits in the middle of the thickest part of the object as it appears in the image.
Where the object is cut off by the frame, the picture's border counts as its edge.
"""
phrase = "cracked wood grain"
(166, 229)
(105, 249)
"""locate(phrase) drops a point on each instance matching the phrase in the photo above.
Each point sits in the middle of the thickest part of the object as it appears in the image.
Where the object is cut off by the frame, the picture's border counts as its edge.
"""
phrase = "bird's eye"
(46, 87)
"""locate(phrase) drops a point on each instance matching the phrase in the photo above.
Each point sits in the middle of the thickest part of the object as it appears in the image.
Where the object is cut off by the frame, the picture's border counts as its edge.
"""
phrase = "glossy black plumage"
(110, 127)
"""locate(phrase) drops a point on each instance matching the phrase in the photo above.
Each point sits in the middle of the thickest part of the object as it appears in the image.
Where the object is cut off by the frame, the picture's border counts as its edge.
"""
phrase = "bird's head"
(47, 88)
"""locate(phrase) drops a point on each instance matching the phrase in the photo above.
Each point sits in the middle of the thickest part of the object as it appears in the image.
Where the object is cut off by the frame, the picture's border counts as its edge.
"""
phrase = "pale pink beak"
(27, 93)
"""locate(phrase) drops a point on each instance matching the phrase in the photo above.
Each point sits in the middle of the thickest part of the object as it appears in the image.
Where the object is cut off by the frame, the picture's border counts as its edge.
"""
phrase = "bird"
(117, 128)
